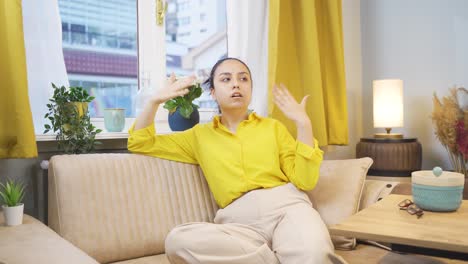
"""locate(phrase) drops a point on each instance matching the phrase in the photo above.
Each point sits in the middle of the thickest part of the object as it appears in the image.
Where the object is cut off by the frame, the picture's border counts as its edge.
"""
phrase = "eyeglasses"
(411, 208)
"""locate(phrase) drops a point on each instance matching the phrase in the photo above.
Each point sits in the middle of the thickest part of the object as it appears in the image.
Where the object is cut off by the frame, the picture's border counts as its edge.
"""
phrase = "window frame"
(153, 64)
(151, 41)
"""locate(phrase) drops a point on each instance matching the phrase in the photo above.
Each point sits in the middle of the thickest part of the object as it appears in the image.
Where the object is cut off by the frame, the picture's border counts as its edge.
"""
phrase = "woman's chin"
(235, 106)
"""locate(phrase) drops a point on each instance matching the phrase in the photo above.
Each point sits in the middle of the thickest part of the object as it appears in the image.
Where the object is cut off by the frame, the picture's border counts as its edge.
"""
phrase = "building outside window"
(184, 21)
(183, 5)
(195, 48)
(101, 52)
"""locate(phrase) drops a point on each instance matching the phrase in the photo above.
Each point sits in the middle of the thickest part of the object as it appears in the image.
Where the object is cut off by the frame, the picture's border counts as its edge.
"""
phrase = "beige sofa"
(118, 208)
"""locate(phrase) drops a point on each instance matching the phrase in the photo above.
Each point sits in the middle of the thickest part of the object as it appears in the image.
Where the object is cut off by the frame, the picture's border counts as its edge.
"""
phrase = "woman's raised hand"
(173, 88)
(288, 105)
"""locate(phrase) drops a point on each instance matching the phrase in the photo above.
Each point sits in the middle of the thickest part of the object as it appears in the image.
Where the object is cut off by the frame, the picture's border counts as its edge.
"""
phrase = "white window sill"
(162, 126)
(102, 135)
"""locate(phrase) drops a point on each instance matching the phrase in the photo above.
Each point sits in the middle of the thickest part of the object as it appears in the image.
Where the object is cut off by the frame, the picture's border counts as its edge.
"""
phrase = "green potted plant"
(12, 194)
(70, 120)
(183, 113)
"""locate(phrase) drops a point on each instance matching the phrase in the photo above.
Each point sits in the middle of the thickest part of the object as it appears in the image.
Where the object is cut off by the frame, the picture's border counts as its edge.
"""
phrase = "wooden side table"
(385, 222)
(392, 157)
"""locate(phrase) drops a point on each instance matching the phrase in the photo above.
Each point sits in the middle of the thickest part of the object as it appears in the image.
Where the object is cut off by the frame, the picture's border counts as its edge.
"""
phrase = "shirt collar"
(252, 116)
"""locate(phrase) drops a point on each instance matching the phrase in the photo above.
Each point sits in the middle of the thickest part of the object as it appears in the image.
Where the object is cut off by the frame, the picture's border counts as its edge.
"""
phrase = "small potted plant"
(70, 120)
(183, 114)
(12, 194)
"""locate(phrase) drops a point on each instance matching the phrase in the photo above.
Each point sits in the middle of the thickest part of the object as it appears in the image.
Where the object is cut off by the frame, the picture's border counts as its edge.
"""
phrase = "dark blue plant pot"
(180, 123)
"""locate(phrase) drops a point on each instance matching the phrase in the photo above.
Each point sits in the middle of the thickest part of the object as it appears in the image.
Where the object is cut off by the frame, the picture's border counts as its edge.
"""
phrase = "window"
(78, 34)
(184, 21)
(183, 5)
(100, 51)
(184, 34)
(195, 49)
(171, 7)
(116, 91)
(65, 32)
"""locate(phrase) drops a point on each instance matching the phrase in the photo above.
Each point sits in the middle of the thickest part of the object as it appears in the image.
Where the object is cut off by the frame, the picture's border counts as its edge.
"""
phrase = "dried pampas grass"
(445, 116)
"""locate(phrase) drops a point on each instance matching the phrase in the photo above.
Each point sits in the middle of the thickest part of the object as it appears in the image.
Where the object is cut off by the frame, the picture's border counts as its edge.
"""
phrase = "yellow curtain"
(17, 138)
(306, 54)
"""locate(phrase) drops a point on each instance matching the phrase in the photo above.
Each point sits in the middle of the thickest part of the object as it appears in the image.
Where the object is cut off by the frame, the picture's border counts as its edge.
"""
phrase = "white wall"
(424, 43)
(353, 69)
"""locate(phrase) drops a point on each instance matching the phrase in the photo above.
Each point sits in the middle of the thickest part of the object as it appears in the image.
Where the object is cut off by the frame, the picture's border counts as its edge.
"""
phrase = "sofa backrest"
(121, 206)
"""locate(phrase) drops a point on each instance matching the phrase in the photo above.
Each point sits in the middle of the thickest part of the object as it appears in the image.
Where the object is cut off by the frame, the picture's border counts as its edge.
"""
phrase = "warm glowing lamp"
(388, 106)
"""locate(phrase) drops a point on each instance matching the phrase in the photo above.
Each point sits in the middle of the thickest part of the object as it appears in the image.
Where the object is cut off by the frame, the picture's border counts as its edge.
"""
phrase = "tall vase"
(458, 163)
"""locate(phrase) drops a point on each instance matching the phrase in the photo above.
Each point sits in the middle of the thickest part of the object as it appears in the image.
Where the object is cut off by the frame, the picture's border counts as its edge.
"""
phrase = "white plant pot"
(13, 215)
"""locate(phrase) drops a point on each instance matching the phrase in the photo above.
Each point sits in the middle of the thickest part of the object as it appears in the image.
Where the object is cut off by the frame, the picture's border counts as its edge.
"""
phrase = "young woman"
(255, 170)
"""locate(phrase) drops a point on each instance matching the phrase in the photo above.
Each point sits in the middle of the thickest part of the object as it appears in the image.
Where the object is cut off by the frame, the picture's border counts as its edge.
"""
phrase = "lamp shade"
(388, 103)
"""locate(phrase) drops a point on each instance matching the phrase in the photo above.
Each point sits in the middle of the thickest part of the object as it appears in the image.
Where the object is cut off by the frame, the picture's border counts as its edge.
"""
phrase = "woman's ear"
(212, 93)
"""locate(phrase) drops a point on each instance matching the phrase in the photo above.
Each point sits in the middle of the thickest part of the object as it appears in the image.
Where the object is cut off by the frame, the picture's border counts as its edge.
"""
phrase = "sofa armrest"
(33, 242)
(374, 190)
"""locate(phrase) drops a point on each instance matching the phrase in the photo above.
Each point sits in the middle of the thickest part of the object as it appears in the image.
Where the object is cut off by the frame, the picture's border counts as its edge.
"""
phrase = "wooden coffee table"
(385, 222)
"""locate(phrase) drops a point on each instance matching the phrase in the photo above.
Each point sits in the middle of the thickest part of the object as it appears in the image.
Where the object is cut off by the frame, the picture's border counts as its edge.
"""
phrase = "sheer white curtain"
(44, 56)
(247, 31)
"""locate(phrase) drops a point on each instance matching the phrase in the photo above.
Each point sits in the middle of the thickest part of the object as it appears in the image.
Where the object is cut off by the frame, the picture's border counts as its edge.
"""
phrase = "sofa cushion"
(338, 193)
(121, 206)
(33, 242)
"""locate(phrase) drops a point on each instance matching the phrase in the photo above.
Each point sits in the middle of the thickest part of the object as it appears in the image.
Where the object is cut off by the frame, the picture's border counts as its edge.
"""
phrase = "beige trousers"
(276, 225)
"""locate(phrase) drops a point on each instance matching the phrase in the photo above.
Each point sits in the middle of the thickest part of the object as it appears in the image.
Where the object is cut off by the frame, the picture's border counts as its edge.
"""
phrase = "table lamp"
(392, 154)
(388, 106)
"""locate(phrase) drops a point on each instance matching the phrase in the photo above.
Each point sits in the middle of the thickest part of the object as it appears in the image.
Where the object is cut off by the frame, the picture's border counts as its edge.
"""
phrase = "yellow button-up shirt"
(261, 154)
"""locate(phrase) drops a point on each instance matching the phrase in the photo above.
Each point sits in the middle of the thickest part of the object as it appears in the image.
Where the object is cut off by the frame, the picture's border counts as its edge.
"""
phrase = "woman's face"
(232, 86)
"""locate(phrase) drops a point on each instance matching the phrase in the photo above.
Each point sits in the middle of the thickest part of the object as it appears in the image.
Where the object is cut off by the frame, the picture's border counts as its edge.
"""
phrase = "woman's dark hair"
(209, 83)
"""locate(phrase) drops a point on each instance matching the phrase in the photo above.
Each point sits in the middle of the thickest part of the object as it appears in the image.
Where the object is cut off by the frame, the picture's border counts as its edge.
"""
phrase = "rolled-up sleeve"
(178, 146)
(299, 161)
